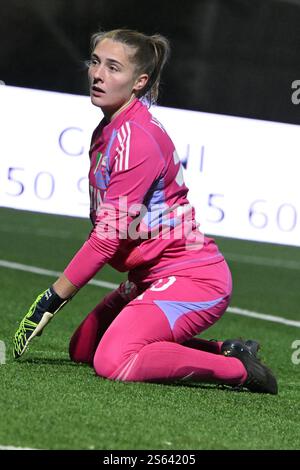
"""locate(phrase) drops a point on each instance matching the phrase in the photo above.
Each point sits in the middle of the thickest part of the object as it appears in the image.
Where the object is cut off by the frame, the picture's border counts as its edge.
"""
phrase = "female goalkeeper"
(178, 282)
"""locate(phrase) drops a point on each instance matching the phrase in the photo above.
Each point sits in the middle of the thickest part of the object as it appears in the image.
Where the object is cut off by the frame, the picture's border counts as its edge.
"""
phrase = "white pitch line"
(110, 285)
(263, 316)
(48, 272)
(15, 448)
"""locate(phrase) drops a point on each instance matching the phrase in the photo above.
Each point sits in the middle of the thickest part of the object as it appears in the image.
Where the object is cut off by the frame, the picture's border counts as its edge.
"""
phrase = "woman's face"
(112, 76)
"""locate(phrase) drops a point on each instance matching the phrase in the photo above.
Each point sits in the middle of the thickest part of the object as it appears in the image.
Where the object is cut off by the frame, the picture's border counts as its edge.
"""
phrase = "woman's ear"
(140, 82)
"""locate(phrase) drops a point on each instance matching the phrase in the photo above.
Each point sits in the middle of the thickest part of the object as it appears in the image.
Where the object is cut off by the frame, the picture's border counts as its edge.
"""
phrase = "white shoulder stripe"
(119, 151)
(127, 146)
(123, 148)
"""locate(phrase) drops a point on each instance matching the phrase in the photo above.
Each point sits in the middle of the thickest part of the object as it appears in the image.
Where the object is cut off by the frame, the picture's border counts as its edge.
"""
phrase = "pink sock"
(167, 361)
(86, 338)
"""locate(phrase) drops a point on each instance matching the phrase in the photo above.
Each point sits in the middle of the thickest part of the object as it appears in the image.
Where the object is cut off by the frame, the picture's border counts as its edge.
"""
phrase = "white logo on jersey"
(95, 198)
(161, 284)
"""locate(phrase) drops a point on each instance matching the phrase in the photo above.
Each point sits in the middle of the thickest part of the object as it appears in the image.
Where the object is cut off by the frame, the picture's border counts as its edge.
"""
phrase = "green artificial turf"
(47, 402)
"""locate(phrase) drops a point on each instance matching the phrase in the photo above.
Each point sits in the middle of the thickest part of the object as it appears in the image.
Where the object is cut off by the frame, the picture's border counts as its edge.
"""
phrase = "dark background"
(236, 57)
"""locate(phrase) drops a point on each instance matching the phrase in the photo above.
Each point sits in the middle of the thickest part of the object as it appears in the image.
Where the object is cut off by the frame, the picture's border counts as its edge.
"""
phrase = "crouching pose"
(178, 281)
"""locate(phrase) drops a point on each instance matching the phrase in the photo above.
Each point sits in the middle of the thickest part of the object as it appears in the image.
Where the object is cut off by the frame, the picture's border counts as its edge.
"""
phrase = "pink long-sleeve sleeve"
(129, 182)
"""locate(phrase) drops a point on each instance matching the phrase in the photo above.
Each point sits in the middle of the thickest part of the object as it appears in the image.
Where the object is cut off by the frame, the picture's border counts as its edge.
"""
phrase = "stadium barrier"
(242, 173)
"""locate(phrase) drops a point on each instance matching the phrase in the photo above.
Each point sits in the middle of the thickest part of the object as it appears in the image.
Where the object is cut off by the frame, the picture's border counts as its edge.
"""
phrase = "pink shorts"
(173, 308)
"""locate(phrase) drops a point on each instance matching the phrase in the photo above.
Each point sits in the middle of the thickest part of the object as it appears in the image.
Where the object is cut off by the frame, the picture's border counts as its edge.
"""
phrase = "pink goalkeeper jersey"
(143, 222)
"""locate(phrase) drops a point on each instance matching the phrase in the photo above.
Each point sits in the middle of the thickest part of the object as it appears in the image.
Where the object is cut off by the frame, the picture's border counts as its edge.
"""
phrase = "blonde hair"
(150, 55)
